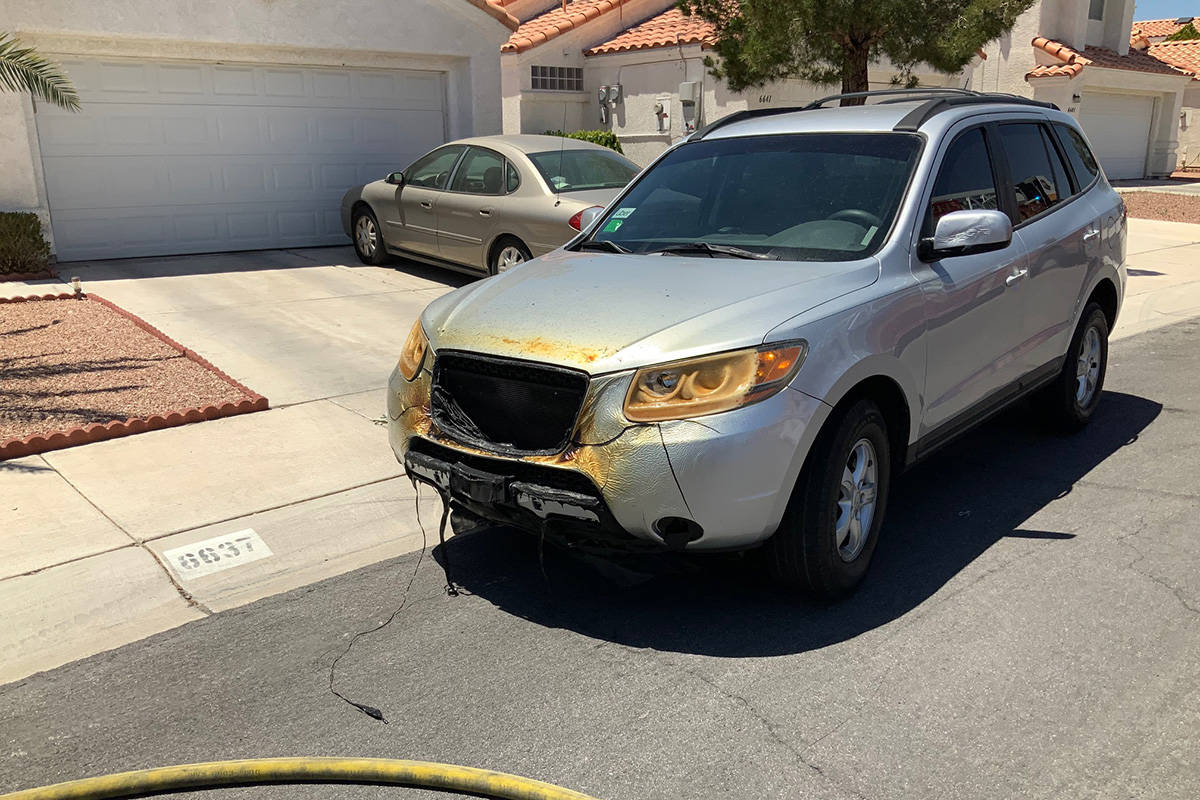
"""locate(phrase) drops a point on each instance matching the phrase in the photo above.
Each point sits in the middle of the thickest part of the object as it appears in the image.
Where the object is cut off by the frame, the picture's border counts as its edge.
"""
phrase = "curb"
(96, 431)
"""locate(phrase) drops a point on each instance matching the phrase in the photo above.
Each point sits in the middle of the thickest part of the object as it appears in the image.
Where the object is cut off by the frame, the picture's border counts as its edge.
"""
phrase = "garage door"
(1118, 126)
(186, 157)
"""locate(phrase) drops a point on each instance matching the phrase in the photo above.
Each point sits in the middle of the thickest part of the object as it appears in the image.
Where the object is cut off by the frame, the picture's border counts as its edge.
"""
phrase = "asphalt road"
(1030, 628)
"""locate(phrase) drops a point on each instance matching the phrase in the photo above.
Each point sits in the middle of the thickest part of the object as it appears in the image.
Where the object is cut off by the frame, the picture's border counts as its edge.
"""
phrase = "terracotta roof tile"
(668, 29)
(1074, 61)
(556, 22)
(1155, 27)
(1183, 55)
(495, 8)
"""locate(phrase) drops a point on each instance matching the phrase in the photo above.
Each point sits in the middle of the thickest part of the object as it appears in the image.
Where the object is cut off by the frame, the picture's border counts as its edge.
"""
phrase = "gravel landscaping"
(1163, 206)
(70, 363)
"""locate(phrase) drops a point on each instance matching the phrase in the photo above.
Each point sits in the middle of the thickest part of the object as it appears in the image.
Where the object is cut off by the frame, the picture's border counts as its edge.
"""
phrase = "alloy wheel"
(856, 500)
(365, 236)
(1087, 367)
(510, 256)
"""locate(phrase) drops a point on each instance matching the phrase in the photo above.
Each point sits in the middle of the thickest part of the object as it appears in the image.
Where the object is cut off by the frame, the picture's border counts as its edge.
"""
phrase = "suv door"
(467, 212)
(973, 303)
(411, 223)
(1059, 233)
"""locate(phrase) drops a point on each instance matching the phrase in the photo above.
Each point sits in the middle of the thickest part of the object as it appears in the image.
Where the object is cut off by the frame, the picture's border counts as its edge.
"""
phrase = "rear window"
(1033, 175)
(1083, 163)
(581, 170)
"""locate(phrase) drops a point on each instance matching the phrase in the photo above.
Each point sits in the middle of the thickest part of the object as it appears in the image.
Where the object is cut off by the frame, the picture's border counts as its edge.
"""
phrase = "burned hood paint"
(604, 313)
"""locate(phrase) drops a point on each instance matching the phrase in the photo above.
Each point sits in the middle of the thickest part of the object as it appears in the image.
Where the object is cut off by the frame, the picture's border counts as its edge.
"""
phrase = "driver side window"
(965, 180)
(433, 170)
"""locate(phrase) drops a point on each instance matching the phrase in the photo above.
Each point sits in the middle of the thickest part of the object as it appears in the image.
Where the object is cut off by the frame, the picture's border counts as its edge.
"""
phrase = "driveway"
(84, 535)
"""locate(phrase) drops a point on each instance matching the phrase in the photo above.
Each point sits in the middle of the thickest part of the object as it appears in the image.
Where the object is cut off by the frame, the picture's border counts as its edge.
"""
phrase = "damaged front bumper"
(716, 482)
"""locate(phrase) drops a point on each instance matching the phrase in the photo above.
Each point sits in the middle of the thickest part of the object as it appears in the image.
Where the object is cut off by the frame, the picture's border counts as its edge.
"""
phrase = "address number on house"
(216, 554)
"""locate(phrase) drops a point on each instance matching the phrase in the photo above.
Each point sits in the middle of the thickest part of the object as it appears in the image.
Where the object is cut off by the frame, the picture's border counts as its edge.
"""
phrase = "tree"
(23, 69)
(827, 41)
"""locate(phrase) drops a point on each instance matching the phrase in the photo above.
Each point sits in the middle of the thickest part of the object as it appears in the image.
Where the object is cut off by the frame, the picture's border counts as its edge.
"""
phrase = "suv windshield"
(580, 170)
(795, 197)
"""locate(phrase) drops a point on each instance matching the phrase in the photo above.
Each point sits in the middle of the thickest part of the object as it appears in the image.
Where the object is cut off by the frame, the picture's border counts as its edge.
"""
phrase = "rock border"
(96, 431)
(29, 276)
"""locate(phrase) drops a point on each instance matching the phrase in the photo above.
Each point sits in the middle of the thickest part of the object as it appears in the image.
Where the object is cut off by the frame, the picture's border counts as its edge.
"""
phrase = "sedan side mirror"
(962, 233)
(396, 179)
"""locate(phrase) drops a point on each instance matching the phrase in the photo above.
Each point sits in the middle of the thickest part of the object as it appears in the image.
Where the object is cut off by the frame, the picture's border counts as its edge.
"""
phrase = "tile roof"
(556, 22)
(668, 29)
(1073, 61)
(1155, 27)
(1184, 55)
(496, 9)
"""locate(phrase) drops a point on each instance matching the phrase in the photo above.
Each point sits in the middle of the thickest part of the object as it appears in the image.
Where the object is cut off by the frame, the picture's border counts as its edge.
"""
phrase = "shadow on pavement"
(943, 515)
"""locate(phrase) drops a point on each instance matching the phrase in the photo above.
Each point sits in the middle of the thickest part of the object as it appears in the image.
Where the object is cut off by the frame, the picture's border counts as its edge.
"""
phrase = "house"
(240, 125)
(636, 67)
(1150, 35)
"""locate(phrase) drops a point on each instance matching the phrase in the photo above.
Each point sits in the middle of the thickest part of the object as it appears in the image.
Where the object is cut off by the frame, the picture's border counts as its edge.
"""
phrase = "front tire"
(1072, 399)
(824, 545)
(368, 238)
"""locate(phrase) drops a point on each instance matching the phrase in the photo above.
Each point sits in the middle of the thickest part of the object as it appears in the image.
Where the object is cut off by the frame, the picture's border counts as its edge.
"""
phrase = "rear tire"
(507, 252)
(824, 545)
(1072, 399)
(368, 238)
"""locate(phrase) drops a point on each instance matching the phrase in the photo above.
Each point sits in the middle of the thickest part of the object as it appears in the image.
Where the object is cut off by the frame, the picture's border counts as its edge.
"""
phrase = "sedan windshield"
(580, 170)
(795, 197)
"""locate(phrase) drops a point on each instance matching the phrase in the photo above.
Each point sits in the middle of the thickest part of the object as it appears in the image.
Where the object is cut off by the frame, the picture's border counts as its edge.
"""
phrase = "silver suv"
(771, 321)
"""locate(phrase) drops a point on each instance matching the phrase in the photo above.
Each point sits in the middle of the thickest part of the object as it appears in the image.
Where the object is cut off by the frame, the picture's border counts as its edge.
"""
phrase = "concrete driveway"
(83, 531)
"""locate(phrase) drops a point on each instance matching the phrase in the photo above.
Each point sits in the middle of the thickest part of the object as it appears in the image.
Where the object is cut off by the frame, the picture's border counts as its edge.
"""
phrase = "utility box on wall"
(689, 98)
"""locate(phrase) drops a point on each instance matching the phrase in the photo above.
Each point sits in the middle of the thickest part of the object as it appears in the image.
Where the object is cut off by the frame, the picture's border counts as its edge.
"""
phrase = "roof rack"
(937, 99)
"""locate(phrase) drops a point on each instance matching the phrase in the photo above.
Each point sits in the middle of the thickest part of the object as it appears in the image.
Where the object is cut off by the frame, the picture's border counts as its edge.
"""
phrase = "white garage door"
(187, 157)
(1118, 126)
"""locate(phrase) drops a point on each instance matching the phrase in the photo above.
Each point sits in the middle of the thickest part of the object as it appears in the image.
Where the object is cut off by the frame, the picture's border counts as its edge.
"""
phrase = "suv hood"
(604, 313)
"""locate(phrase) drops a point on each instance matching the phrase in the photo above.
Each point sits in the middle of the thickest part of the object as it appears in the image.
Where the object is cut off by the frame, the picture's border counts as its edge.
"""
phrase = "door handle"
(1016, 276)
(1092, 234)
(426, 204)
(485, 212)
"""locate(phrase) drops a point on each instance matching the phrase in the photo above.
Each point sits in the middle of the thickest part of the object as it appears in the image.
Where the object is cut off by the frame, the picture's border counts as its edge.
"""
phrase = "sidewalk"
(83, 531)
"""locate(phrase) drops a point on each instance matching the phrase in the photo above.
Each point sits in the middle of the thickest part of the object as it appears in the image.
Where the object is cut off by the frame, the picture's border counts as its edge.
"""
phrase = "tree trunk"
(854, 72)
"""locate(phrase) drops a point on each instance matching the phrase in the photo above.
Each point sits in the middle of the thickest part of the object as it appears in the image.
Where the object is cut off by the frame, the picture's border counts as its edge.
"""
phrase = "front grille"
(506, 405)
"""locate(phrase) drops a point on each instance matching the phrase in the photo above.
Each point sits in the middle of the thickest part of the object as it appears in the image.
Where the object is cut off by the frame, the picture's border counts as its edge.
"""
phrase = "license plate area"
(480, 486)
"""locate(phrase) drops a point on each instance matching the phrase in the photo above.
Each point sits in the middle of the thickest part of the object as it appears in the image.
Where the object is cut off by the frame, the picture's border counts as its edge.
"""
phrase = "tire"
(368, 238)
(507, 252)
(1072, 399)
(807, 553)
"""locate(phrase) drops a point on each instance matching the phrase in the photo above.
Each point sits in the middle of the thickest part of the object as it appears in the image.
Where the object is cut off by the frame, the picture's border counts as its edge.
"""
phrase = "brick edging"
(28, 276)
(96, 431)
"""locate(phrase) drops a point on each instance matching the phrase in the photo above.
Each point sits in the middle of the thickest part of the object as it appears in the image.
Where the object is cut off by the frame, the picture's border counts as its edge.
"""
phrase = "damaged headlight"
(711, 384)
(413, 352)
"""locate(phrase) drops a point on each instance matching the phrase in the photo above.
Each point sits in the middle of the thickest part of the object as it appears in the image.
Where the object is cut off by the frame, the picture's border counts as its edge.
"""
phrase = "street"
(1029, 628)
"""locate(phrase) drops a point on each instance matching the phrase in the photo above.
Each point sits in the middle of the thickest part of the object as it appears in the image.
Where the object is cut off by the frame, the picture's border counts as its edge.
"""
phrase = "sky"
(1165, 9)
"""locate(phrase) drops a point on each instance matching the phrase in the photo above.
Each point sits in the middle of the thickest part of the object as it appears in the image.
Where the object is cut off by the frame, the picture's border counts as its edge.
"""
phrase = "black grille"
(506, 405)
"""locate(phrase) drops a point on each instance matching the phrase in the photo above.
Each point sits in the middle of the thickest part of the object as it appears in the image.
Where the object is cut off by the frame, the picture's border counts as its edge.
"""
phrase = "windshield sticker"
(870, 232)
(622, 213)
(612, 226)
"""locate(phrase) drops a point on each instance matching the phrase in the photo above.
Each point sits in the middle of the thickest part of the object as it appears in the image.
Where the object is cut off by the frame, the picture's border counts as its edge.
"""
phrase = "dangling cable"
(451, 588)
(371, 711)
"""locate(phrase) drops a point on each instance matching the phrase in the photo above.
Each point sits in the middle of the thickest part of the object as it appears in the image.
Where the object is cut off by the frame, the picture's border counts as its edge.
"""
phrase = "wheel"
(824, 544)
(368, 240)
(508, 252)
(1071, 400)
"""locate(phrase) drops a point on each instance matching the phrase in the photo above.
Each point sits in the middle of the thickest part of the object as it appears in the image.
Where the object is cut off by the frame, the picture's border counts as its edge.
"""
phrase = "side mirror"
(396, 179)
(962, 233)
(588, 216)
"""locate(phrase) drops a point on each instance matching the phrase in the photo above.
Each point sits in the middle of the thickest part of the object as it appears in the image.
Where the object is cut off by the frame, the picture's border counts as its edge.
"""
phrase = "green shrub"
(603, 138)
(22, 248)
(1187, 32)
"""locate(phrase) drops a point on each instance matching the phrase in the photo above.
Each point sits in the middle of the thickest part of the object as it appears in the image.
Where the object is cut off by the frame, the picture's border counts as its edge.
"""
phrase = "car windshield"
(795, 197)
(580, 170)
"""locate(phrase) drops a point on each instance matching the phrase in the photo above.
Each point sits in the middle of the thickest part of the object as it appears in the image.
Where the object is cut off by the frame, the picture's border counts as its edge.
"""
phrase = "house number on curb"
(216, 554)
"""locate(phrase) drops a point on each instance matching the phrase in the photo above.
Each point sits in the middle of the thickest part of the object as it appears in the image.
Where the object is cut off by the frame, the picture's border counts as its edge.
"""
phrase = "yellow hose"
(259, 771)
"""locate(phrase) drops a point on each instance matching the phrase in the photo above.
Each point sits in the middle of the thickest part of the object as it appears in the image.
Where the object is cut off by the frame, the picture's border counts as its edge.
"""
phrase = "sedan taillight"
(576, 220)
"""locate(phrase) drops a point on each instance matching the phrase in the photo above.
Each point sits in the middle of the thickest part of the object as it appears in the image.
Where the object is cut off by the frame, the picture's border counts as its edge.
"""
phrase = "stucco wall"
(1189, 128)
(445, 35)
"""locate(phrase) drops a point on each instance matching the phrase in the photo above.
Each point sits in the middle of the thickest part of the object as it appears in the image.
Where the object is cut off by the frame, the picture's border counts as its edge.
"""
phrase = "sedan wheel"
(368, 244)
(509, 257)
(507, 253)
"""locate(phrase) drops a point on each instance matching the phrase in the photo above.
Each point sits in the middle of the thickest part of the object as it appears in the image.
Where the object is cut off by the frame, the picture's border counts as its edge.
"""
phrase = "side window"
(965, 180)
(1056, 164)
(513, 180)
(481, 172)
(433, 170)
(1029, 166)
(1081, 158)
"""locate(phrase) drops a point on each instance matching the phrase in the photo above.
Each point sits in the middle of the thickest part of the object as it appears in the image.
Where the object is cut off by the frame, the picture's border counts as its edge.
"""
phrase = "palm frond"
(23, 69)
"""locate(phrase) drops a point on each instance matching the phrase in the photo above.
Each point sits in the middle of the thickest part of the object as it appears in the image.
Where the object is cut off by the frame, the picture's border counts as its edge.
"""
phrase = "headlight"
(413, 352)
(712, 384)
